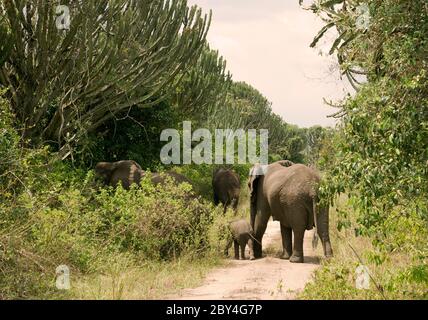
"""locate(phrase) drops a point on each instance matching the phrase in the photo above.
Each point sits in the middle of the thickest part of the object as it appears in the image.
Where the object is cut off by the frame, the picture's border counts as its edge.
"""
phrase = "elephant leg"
(228, 245)
(236, 247)
(287, 249)
(225, 205)
(216, 200)
(297, 256)
(250, 245)
(260, 225)
(242, 245)
(322, 230)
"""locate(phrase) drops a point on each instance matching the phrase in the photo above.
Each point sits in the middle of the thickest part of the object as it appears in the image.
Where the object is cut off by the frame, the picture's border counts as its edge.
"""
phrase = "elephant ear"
(253, 179)
(105, 170)
(135, 164)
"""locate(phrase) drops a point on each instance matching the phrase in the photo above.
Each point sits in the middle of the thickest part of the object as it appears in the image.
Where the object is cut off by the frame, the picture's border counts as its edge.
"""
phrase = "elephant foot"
(296, 259)
(252, 258)
(285, 255)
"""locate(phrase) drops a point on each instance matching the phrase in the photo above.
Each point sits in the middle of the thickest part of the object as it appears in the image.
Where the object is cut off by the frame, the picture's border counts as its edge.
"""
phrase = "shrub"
(53, 213)
(159, 222)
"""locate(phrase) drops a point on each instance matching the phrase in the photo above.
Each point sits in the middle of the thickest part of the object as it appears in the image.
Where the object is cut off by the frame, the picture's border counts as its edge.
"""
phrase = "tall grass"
(398, 270)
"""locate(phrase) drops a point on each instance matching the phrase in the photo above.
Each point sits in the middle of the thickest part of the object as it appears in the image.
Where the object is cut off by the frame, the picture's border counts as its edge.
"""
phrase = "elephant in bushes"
(226, 188)
(288, 193)
(128, 172)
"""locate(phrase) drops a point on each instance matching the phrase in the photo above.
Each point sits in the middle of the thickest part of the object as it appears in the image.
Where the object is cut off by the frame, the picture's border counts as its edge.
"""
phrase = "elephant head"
(259, 170)
(104, 170)
(126, 172)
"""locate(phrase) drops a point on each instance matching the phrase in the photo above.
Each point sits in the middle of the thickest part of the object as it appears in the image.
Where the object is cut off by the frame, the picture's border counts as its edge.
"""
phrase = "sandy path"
(266, 278)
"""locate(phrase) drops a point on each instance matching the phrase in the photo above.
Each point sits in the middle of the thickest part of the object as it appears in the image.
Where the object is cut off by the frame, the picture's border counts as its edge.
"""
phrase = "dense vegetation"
(103, 90)
(380, 148)
(125, 70)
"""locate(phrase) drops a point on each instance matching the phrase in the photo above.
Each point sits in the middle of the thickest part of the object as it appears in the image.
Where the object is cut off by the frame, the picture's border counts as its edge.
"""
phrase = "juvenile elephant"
(128, 172)
(242, 234)
(226, 188)
(288, 193)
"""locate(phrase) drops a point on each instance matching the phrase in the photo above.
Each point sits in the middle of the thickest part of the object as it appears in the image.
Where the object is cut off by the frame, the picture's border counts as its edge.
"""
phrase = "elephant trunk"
(322, 229)
(258, 233)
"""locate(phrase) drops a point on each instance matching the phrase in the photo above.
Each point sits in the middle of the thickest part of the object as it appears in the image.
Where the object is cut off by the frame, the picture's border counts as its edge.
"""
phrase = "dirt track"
(266, 278)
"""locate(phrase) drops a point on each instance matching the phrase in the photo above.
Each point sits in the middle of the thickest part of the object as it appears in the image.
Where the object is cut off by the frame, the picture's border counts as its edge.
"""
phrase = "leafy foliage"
(383, 150)
(53, 214)
(116, 54)
(247, 108)
(379, 155)
(317, 139)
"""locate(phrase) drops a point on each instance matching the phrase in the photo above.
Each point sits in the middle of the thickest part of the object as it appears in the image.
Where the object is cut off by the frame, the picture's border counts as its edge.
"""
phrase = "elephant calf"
(125, 172)
(242, 234)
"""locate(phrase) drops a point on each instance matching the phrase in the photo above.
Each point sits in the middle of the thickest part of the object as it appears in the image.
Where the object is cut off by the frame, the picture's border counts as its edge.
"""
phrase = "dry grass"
(151, 280)
(336, 279)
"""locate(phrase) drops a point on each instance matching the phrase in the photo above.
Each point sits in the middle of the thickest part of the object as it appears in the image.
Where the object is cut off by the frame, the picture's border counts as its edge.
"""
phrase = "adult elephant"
(128, 172)
(288, 193)
(226, 188)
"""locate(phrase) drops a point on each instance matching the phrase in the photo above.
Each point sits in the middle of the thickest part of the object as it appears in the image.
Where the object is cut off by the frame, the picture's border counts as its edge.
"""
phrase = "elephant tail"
(315, 212)
(254, 238)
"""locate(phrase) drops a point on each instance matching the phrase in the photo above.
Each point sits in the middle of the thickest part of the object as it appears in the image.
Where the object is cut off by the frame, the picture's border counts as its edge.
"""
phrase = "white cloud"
(266, 44)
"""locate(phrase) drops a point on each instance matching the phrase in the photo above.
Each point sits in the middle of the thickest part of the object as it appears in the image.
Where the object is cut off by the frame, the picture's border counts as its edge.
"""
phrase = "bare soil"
(267, 278)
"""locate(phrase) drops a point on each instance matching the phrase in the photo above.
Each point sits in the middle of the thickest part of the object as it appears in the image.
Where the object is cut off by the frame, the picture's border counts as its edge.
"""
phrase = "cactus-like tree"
(203, 88)
(116, 54)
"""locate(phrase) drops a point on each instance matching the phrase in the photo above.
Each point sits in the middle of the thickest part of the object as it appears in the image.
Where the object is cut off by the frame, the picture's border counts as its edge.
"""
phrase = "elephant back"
(240, 227)
(300, 180)
(290, 189)
(227, 178)
(226, 186)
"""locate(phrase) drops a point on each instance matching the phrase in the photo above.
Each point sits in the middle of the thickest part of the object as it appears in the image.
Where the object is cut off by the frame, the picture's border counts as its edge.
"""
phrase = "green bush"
(82, 228)
(378, 155)
(53, 213)
(395, 253)
(159, 222)
(9, 138)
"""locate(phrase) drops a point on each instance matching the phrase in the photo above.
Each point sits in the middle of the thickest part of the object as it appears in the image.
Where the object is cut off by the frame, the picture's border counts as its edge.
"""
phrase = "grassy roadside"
(395, 274)
(149, 280)
(126, 279)
(144, 243)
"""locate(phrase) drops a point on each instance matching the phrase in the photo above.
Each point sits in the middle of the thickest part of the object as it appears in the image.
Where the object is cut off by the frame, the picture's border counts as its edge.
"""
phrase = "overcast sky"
(266, 44)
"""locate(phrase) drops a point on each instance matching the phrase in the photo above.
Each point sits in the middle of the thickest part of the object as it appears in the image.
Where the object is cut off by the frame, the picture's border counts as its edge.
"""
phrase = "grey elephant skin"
(242, 235)
(226, 188)
(128, 172)
(288, 193)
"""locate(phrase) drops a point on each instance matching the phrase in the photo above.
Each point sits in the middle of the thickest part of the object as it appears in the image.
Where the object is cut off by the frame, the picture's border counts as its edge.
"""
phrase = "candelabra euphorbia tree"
(70, 68)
